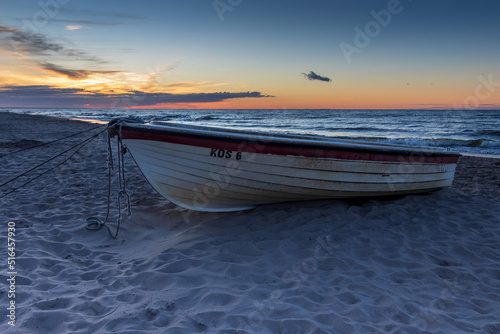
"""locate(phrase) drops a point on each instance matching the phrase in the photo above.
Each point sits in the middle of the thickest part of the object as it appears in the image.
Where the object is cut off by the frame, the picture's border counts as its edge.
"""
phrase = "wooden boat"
(216, 169)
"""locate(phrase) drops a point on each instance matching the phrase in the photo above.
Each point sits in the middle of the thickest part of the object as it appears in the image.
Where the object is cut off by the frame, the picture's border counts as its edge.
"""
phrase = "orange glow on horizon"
(386, 92)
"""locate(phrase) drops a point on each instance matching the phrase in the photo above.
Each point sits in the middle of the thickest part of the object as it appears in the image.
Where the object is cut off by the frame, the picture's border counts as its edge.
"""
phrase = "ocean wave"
(489, 132)
(206, 118)
(467, 131)
(466, 145)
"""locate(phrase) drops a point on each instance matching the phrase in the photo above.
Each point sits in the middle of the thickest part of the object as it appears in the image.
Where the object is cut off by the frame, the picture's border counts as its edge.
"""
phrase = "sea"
(467, 131)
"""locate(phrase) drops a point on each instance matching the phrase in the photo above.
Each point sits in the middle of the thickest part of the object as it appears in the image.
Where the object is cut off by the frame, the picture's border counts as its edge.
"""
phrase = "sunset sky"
(336, 54)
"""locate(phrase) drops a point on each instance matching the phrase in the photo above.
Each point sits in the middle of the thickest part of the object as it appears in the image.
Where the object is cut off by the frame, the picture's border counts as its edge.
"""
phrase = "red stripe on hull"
(291, 149)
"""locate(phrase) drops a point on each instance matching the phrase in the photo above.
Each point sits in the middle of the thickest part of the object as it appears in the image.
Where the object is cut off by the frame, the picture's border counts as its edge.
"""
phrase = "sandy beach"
(414, 264)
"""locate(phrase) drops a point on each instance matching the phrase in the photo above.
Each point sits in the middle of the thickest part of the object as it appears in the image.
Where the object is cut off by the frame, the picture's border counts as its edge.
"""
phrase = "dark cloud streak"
(313, 76)
(31, 42)
(38, 44)
(6, 29)
(73, 74)
(155, 98)
(47, 96)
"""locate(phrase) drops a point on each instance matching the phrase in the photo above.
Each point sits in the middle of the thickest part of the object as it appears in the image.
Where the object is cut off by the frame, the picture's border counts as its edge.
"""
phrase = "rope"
(94, 223)
(49, 160)
(81, 144)
(50, 142)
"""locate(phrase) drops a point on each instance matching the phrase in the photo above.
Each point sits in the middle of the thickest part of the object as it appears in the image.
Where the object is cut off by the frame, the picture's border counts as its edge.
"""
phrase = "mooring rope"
(95, 223)
(79, 146)
(50, 142)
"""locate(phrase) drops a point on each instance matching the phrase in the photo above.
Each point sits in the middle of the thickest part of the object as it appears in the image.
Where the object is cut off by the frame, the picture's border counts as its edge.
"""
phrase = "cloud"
(90, 17)
(6, 29)
(31, 42)
(144, 99)
(81, 23)
(313, 76)
(155, 98)
(36, 91)
(38, 44)
(73, 74)
(99, 13)
(73, 27)
(47, 96)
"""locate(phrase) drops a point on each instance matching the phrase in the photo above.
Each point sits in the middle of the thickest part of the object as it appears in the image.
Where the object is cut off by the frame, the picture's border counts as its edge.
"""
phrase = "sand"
(413, 264)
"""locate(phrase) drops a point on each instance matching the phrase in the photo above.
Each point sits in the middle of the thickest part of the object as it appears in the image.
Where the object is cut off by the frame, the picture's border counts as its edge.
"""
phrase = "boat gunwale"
(309, 142)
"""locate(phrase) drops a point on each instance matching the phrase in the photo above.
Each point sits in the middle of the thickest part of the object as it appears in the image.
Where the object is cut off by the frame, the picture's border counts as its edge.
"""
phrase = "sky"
(250, 54)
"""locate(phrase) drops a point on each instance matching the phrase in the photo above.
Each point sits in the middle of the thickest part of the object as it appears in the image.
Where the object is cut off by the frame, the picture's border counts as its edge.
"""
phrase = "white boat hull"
(224, 174)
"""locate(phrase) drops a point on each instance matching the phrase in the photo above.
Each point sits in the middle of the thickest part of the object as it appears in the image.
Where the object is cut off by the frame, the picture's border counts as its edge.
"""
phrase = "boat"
(220, 169)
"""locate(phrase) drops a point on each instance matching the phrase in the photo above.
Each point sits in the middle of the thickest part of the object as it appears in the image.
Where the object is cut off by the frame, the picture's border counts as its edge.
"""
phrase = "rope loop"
(115, 129)
(94, 224)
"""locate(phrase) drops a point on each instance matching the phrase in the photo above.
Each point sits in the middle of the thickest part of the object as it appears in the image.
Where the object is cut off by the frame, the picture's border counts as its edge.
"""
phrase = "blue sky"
(424, 53)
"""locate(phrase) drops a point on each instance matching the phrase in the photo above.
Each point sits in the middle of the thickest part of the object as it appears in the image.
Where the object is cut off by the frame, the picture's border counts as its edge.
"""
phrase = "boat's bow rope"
(115, 129)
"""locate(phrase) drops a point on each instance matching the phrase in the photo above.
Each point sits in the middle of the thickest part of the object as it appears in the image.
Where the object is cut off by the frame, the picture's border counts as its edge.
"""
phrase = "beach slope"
(413, 264)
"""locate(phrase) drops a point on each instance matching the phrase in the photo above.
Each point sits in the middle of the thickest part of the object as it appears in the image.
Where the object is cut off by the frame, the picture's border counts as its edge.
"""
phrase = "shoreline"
(416, 263)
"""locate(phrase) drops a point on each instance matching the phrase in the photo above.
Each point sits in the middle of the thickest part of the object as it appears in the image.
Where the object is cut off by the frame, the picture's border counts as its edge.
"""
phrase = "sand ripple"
(417, 264)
